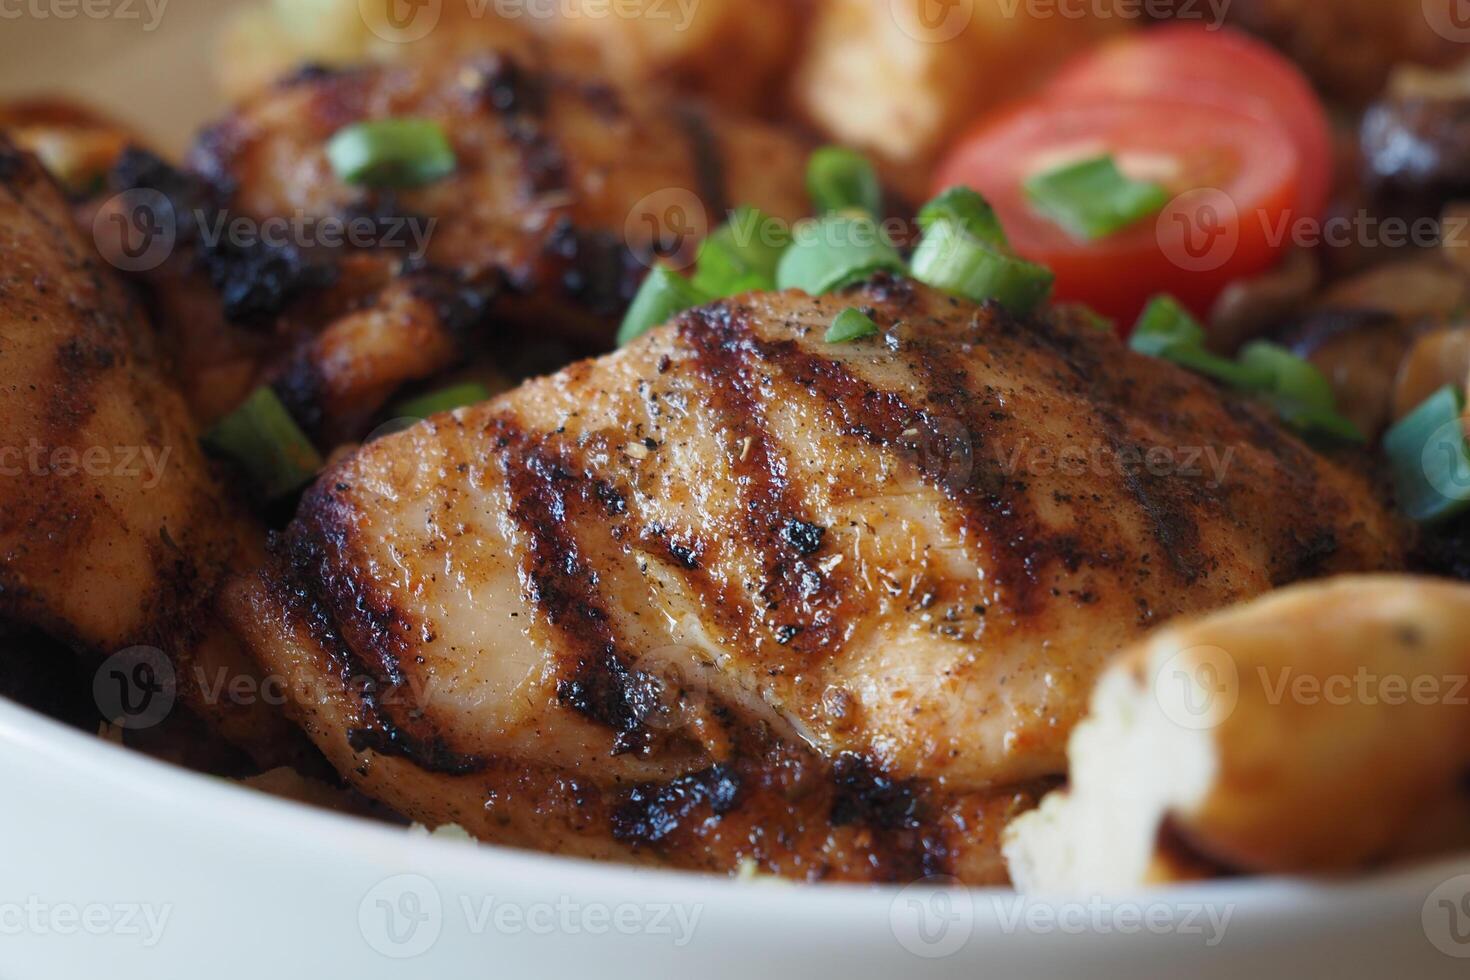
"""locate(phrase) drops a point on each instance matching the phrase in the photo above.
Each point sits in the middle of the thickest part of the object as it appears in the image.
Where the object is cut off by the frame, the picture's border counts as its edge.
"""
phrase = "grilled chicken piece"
(736, 593)
(565, 192)
(112, 532)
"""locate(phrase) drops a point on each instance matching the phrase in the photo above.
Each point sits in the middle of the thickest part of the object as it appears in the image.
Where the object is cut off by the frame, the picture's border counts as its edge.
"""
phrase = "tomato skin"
(1194, 248)
(1214, 66)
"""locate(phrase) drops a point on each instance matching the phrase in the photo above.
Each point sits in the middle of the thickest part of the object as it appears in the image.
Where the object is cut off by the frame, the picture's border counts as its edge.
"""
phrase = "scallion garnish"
(836, 251)
(1092, 198)
(741, 255)
(1431, 459)
(839, 179)
(951, 259)
(1301, 395)
(664, 295)
(391, 153)
(969, 210)
(267, 444)
(1164, 326)
(851, 324)
(443, 400)
(1289, 376)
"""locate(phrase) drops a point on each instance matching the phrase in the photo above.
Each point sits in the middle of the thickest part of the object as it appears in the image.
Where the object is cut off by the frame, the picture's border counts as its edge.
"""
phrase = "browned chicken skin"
(735, 593)
(565, 191)
(112, 531)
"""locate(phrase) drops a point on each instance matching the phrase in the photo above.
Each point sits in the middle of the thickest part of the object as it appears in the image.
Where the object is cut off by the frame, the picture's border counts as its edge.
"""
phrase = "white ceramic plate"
(112, 865)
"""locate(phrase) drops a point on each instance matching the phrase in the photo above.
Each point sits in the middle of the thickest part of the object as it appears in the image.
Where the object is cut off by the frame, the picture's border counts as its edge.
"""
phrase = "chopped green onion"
(1431, 459)
(742, 255)
(391, 153)
(1092, 199)
(443, 400)
(1290, 376)
(1212, 365)
(1314, 421)
(265, 441)
(951, 259)
(836, 251)
(664, 295)
(967, 209)
(1164, 326)
(839, 179)
(1294, 387)
(851, 324)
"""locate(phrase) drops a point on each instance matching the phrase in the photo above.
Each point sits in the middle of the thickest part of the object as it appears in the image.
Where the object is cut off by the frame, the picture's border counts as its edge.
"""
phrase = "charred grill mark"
(255, 280)
(651, 812)
(797, 600)
(288, 580)
(708, 161)
(461, 301)
(521, 99)
(302, 388)
(993, 506)
(596, 269)
(547, 496)
(897, 815)
(12, 162)
(1167, 503)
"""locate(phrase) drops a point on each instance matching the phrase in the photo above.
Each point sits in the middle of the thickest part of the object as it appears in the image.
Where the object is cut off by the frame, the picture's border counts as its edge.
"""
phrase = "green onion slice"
(836, 251)
(1290, 376)
(839, 179)
(1165, 326)
(1212, 365)
(391, 153)
(664, 295)
(851, 324)
(951, 259)
(742, 255)
(443, 400)
(267, 444)
(1431, 459)
(1299, 392)
(1092, 199)
(967, 209)
(1315, 422)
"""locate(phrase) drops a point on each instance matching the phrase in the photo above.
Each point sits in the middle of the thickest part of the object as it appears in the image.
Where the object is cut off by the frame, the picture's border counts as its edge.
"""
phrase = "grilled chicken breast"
(735, 593)
(566, 190)
(112, 531)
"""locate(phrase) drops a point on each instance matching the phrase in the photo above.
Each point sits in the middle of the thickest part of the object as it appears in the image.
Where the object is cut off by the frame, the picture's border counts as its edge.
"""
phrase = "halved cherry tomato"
(1218, 67)
(1237, 176)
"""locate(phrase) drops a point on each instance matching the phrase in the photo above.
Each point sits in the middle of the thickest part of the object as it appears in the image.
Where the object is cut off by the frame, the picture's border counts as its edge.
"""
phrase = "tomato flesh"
(1204, 240)
(1222, 67)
